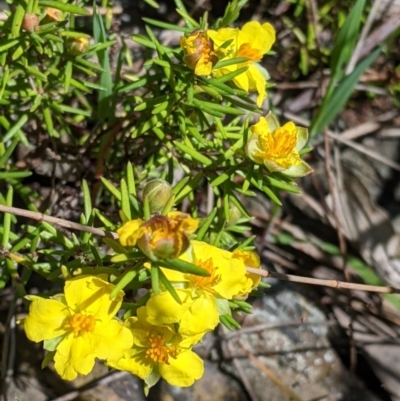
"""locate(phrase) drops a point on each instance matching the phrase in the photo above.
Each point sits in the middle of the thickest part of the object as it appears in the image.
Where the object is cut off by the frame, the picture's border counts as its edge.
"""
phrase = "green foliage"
(67, 83)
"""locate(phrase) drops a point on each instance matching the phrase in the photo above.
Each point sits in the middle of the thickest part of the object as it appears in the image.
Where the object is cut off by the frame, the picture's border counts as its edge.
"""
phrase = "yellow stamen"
(81, 324)
(280, 147)
(206, 282)
(160, 352)
(246, 50)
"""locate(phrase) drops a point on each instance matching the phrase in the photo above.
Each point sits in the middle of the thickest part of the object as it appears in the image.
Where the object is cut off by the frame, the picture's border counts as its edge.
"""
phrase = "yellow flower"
(160, 237)
(77, 46)
(159, 352)
(278, 147)
(196, 314)
(252, 41)
(199, 52)
(79, 325)
(227, 274)
(203, 299)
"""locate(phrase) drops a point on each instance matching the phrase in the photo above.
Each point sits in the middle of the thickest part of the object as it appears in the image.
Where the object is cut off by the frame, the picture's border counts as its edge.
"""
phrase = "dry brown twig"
(264, 273)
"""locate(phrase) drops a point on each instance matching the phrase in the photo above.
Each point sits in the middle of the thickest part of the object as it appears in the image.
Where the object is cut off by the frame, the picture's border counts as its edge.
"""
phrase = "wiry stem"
(260, 272)
(322, 282)
(59, 222)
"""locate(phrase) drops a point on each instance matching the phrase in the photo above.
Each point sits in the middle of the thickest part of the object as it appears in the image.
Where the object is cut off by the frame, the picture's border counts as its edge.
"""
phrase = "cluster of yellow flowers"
(204, 49)
(274, 146)
(82, 324)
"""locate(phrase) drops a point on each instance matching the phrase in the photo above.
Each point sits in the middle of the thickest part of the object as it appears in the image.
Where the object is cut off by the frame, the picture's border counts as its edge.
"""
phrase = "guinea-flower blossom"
(277, 147)
(201, 297)
(160, 237)
(252, 41)
(159, 352)
(199, 52)
(79, 325)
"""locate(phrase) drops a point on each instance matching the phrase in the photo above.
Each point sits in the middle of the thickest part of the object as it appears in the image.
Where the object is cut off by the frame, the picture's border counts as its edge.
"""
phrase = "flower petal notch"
(161, 237)
(199, 52)
(277, 147)
(252, 41)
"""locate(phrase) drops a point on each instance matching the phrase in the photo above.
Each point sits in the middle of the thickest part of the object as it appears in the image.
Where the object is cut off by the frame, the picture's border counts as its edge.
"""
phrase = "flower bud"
(157, 193)
(161, 237)
(54, 15)
(30, 22)
(234, 215)
(199, 52)
(161, 241)
(77, 46)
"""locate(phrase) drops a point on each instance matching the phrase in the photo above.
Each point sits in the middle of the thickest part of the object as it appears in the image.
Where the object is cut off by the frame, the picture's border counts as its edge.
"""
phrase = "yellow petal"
(130, 232)
(74, 355)
(232, 279)
(91, 295)
(111, 339)
(135, 362)
(45, 319)
(260, 37)
(203, 68)
(163, 309)
(183, 370)
(223, 35)
(174, 275)
(257, 83)
(242, 81)
(250, 259)
(202, 316)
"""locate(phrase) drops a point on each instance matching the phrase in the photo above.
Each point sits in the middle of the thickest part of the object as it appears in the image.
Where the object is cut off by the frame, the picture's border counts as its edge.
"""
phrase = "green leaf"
(184, 267)
(202, 105)
(346, 40)
(332, 106)
(113, 190)
(18, 16)
(15, 128)
(5, 45)
(8, 175)
(206, 224)
(69, 8)
(168, 286)
(155, 278)
(7, 219)
(193, 153)
(164, 25)
(271, 195)
(125, 202)
(105, 111)
(232, 61)
(126, 257)
(8, 152)
(126, 278)
(87, 201)
(282, 185)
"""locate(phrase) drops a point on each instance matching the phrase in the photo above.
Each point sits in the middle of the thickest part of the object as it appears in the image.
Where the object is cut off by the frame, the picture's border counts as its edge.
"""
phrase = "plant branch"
(59, 222)
(265, 273)
(323, 283)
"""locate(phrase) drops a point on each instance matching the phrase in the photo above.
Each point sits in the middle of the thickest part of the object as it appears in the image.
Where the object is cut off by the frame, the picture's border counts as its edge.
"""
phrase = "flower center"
(81, 324)
(246, 50)
(280, 146)
(206, 282)
(204, 47)
(159, 351)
